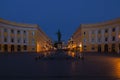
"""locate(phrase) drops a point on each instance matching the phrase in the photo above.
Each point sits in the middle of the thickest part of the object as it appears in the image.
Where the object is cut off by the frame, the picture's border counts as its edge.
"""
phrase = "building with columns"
(98, 37)
(18, 37)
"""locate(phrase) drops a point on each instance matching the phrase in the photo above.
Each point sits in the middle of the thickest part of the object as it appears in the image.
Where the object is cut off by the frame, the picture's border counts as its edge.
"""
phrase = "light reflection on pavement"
(93, 67)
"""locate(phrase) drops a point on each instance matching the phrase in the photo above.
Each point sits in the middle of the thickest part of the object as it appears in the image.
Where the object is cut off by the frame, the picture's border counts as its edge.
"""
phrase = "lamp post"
(80, 46)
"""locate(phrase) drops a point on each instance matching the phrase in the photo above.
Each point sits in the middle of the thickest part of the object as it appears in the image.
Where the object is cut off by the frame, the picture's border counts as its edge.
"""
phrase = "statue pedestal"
(59, 45)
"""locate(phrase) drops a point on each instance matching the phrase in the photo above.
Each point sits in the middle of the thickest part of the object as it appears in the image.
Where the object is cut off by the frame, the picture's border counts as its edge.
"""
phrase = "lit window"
(33, 33)
(33, 41)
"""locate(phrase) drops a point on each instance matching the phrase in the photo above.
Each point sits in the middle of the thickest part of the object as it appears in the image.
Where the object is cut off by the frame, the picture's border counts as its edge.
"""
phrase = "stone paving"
(26, 67)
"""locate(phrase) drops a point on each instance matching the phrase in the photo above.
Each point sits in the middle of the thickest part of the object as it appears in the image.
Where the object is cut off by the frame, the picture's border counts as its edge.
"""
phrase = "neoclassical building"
(17, 37)
(98, 37)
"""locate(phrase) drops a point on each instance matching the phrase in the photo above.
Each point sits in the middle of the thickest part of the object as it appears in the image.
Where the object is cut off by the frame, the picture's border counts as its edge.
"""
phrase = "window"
(113, 29)
(99, 39)
(113, 38)
(18, 48)
(25, 47)
(24, 41)
(18, 32)
(5, 30)
(93, 32)
(92, 39)
(18, 40)
(119, 45)
(85, 46)
(33, 41)
(24, 32)
(99, 31)
(5, 39)
(12, 31)
(33, 48)
(106, 30)
(33, 33)
(84, 33)
(84, 40)
(0, 47)
(106, 39)
(12, 40)
(113, 47)
(92, 48)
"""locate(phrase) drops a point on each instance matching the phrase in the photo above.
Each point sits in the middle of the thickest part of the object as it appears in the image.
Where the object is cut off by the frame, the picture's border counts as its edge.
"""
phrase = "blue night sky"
(65, 15)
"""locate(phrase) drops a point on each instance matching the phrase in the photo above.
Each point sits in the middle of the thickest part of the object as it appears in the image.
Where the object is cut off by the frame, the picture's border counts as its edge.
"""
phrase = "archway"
(106, 48)
(12, 48)
(99, 48)
(18, 48)
(5, 48)
(113, 47)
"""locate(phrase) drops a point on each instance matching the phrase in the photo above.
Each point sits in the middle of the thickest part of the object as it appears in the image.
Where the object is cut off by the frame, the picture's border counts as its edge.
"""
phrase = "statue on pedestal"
(59, 36)
(59, 42)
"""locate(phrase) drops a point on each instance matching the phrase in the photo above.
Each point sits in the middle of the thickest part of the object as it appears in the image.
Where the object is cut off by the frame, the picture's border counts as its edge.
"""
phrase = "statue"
(59, 35)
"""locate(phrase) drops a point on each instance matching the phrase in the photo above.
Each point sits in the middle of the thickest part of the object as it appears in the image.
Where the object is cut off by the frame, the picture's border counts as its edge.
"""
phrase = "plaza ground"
(26, 67)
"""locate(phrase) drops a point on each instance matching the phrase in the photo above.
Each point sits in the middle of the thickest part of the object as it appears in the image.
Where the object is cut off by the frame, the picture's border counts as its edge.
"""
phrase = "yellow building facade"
(17, 37)
(99, 37)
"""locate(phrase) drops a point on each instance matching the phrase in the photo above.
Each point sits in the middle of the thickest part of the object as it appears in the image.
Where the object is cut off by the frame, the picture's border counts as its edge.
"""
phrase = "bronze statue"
(59, 35)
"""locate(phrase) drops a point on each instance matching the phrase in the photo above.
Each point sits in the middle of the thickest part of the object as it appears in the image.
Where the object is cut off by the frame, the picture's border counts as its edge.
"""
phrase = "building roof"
(110, 22)
(17, 24)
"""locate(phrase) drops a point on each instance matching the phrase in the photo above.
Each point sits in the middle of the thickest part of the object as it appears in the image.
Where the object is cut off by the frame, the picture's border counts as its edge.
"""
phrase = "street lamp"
(80, 45)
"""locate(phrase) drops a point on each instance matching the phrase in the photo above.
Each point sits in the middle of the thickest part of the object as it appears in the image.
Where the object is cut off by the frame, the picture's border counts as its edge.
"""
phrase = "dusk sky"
(65, 15)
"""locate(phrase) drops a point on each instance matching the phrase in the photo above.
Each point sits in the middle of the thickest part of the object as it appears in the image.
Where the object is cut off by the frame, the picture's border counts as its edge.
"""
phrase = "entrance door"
(6, 48)
(113, 47)
(99, 48)
(12, 48)
(18, 48)
(106, 48)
